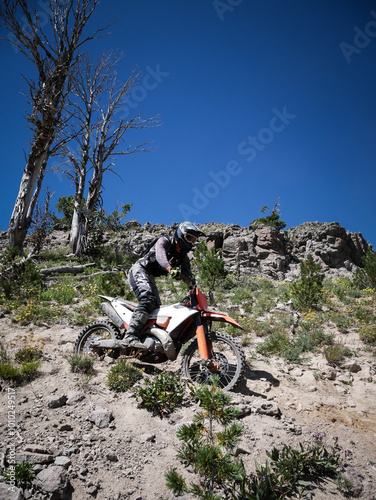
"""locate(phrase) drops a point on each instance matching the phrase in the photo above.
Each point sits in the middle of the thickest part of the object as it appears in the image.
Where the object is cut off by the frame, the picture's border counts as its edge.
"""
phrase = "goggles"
(190, 238)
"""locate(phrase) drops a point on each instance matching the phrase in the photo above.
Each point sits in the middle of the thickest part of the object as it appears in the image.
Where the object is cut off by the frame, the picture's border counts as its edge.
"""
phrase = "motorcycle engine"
(152, 344)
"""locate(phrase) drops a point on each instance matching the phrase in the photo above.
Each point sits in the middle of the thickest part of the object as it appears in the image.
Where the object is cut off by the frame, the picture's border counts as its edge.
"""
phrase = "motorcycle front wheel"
(95, 331)
(229, 357)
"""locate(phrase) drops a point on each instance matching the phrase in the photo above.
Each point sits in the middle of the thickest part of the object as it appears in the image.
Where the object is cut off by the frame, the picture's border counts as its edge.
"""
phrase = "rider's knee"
(147, 303)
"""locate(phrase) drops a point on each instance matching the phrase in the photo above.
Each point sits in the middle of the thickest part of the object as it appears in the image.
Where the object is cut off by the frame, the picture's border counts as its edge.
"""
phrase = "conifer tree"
(207, 449)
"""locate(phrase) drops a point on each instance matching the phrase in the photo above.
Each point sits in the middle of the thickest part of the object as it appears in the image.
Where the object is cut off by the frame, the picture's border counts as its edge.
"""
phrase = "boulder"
(101, 417)
(52, 481)
(10, 492)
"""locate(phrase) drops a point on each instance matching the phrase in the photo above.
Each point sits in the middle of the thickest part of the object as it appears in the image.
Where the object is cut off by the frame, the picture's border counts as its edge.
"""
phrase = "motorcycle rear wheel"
(95, 331)
(226, 352)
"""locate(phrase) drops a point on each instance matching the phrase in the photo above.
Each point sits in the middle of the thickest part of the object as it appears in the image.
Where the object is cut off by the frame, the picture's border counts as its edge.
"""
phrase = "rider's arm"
(161, 247)
(185, 272)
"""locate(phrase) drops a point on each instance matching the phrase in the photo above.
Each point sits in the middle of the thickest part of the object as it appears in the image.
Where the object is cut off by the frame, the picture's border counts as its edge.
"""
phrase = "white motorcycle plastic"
(166, 331)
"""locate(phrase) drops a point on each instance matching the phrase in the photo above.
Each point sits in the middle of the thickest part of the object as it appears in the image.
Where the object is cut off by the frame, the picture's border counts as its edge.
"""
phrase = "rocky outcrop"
(266, 251)
(335, 249)
(277, 254)
(260, 251)
(263, 251)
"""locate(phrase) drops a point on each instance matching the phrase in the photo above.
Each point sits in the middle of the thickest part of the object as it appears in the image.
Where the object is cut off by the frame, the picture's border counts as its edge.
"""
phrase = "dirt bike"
(168, 328)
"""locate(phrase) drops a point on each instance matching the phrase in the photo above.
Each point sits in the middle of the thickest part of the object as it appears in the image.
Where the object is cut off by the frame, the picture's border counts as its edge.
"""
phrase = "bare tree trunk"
(53, 56)
(19, 221)
(77, 220)
(75, 240)
(35, 197)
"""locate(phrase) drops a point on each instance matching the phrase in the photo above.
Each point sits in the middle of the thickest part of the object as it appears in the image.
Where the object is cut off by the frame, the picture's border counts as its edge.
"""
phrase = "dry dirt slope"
(127, 457)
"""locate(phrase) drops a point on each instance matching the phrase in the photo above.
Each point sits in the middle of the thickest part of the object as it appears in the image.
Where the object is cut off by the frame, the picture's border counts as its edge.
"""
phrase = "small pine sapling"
(208, 449)
(211, 266)
(307, 292)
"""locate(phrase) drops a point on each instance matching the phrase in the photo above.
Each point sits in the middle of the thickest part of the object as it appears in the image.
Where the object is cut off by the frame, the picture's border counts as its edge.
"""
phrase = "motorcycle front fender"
(222, 317)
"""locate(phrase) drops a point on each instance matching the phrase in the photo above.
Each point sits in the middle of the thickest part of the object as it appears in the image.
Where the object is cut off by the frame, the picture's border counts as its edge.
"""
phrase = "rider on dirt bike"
(162, 259)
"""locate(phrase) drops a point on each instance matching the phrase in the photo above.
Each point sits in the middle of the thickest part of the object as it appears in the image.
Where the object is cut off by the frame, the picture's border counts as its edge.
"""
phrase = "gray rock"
(244, 409)
(331, 374)
(257, 250)
(269, 408)
(52, 481)
(9, 492)
(112, 457)
(37, 449)
(353, 367)
(101, 417)
(345, 379)
(65, 427)
(144, 438)
(37, 458)
(56, 401)
(63, 462)
(74, 398)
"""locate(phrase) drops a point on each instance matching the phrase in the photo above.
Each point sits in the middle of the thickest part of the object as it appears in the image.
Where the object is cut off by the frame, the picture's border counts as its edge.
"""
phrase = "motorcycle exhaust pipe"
(112, 314)
(166, 341)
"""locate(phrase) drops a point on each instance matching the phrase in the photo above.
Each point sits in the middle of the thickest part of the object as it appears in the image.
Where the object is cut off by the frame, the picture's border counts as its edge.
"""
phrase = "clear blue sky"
(258, 101)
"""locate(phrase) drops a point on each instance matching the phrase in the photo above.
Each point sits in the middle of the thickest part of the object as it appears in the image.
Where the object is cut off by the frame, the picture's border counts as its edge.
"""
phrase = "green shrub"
(366, 277)
(344, 485)
(65, 207)
(242, 294)
(62, 292)
(287, 470)
(37, 312)
(81, 364)
(123, 376)
(112, 284)
(19, 278)
(306, 339)
(334, 353)
(367, 333)
(273, 219)
(309, 339)
(22, 474)
(307, 292)
(19, 374)
(364, 315)
(211, 266)
(342, 321)
(162, 394)
(28, 354)
(265, 302)
(21, 365)
(206, 449)
(56, 255)
(275, 343)
(259, 328)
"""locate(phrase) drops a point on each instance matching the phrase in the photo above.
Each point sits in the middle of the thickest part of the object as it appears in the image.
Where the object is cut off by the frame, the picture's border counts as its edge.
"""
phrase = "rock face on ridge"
(263, 251)
(266, 251)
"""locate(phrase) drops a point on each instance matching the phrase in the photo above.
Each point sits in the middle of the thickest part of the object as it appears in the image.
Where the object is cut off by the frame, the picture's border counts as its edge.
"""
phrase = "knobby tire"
(100, 329)
(227, 352)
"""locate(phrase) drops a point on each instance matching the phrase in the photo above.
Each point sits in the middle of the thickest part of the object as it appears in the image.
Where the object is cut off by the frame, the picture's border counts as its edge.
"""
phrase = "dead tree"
(99, 99)
(53, 50)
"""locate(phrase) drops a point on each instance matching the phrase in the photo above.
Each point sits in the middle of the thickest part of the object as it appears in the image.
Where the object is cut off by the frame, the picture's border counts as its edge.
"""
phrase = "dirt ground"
(128, 458)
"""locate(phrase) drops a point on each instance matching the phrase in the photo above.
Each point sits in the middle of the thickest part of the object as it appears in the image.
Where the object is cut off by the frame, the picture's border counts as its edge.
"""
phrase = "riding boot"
(131, 338)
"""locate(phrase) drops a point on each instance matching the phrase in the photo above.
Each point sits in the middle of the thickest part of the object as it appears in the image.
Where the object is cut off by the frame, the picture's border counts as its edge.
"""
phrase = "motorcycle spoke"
(228, 357)
(95, 331)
